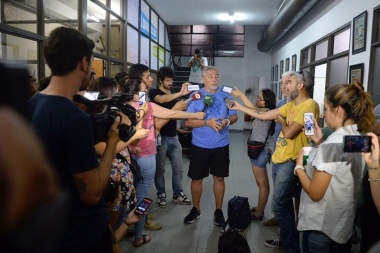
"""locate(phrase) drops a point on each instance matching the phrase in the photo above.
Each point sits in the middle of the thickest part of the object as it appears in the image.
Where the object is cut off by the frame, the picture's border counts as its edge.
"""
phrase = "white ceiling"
(208, 12)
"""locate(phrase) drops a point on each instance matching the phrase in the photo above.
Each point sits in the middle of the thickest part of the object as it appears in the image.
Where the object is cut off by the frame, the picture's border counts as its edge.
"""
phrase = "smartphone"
(229, 103)
(91, 95)
(142, 97)
(357, 143)
(193, 87)
(143, 206)
(227, 89)
(308, 118)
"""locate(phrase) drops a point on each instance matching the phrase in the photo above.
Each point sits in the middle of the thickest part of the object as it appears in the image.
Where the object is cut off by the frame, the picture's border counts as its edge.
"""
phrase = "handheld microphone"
(229, 103)
(207, 101)
(195, 96)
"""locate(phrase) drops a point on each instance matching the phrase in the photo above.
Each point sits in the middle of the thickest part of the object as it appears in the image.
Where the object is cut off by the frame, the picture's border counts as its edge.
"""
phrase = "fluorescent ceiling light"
(232, 17)
(93, 18)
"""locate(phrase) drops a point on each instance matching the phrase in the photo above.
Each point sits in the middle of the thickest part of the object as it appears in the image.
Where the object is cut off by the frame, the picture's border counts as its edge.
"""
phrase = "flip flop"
(145, 241)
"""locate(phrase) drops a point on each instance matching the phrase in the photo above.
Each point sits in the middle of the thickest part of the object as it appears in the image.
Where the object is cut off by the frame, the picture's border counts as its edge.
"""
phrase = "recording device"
(193, 87)
(92, 95)
(357, 143)
(142, 98)
(308, 118)
(195, 96)
(207, 101)
(103, 113)
(227, 89)
(199, 56)
(143, 206)
(229, 103)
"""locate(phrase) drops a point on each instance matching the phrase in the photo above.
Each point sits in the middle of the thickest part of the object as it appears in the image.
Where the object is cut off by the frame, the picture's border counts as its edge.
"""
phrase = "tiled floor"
(202, 236)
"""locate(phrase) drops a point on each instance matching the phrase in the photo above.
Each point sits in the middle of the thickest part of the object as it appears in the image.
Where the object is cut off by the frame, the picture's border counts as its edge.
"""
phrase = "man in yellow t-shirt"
(288, 145)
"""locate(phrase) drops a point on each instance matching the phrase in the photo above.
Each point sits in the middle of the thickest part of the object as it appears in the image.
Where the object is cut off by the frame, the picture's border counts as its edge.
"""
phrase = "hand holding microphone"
(207, 101)
(195, 96)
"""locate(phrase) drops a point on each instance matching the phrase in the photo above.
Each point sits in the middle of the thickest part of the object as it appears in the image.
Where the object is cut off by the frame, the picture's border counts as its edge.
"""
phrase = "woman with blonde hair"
(331, 178)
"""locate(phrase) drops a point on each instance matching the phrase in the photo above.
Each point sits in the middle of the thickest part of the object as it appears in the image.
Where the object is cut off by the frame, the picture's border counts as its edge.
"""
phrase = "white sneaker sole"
(191, 222)
(182, 202)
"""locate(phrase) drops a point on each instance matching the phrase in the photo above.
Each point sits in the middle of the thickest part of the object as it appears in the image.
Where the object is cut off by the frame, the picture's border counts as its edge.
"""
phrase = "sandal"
(145, 240)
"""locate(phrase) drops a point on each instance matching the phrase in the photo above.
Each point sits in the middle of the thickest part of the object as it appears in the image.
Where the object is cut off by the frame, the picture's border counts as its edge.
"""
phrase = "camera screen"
(357, 143)
(143, 206)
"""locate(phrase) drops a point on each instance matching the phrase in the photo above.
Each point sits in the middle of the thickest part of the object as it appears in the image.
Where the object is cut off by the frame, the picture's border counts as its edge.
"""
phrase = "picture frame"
(276, 73)
(274, 88)
(281, 68)
(294, 62)
(272, 74)
(359, 36)
(287, 63)
(356, 73)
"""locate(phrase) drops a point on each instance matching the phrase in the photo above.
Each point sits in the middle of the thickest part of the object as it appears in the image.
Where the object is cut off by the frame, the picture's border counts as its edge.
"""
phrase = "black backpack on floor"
(239, 215)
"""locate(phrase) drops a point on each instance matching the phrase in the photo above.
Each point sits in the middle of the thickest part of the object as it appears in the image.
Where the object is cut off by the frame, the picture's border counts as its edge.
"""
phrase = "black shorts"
(205, 161)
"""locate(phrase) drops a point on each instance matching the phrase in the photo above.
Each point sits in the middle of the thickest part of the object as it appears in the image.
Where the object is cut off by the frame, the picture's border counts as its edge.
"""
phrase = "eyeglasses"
(233, 230)
(259, 98)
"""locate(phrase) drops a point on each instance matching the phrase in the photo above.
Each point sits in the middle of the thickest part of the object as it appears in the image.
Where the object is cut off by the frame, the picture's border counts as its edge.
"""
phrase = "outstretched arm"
(268, 115)
(239, 94)
(161, 112)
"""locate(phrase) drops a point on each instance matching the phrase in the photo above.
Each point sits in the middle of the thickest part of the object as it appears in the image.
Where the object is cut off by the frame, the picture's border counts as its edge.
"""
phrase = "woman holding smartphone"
(331, 178)
(147, 158)
(265, 101)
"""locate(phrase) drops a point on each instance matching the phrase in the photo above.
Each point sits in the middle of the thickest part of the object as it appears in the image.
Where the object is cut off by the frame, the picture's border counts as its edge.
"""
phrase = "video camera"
(103, 112)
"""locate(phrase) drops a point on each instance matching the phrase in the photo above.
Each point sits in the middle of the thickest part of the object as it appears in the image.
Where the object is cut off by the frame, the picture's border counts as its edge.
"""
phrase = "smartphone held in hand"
(143, 206)
(357, 143)
(308, 118)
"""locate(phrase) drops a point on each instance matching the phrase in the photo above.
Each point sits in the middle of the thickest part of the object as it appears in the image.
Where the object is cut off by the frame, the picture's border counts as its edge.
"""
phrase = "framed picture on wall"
(276, 73)
(274, 88)
(359, 30)
(272, 74)
(356, 73)
(281, 68)
(294, 62)
(287, 62)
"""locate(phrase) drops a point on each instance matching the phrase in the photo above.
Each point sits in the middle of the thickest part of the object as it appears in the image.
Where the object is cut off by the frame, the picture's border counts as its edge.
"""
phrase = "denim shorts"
(263, 159)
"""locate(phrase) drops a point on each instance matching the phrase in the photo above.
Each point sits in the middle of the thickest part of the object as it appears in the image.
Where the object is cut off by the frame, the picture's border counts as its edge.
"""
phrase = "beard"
(292, 95)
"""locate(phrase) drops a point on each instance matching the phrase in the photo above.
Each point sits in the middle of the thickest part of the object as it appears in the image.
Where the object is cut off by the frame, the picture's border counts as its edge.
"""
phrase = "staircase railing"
(176, 51)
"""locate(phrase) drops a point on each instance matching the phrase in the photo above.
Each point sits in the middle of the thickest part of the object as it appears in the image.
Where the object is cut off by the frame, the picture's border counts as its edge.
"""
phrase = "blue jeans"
(171, 148)
(284, 181)
(148, 169)
(317, 242)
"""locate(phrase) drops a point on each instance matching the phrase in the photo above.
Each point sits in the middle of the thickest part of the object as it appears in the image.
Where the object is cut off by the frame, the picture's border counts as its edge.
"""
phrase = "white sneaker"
(161, 200)
(181, 198)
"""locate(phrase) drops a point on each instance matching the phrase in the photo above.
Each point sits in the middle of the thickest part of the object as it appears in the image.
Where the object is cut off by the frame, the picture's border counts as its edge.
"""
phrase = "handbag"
(254, 148)
(134, 166)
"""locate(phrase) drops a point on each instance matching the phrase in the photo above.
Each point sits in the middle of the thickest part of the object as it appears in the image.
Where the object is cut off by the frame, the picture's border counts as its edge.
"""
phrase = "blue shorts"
(263, 159)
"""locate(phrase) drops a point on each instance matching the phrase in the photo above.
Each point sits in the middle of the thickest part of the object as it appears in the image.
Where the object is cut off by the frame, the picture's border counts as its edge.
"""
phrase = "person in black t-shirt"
(66, 131)
(170, 146)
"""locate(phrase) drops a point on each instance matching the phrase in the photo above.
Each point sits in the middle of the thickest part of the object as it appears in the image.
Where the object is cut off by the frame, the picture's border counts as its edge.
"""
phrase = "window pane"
(161, 33)
(58, 12)
(96, 27)
(321, 50)
(342, 41)
(161, 57)
(21, 14)
(132, 45)
(133, 12)
(145, 21)
(144, 51)
(116, 38)
(167, 58)
(18, 49)
(154, 26)
(99, 66)
(116, 68)
(179, 28)
(203, 39)
(320, 84)
(231, 29)
(153, 56)
(338, 71)
(305, 56)
(116, 6)
(204, 28)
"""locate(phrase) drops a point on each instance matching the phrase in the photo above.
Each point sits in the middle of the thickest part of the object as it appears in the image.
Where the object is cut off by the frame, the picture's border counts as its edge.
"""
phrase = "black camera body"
(103, 113)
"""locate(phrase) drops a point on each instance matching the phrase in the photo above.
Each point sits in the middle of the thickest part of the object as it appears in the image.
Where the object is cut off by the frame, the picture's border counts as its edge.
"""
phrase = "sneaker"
(219, 218)
(181, 198)
(192, 216)
(161, 200)
(151, 216)
(152, 225)
(276, 243)
(270, 222)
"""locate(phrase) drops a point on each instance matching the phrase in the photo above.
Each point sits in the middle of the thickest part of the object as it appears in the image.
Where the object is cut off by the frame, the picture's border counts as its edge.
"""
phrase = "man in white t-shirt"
(197, 63)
